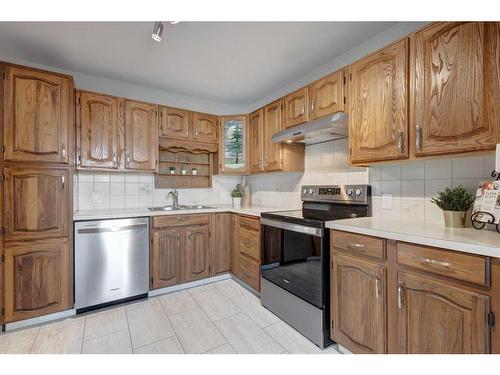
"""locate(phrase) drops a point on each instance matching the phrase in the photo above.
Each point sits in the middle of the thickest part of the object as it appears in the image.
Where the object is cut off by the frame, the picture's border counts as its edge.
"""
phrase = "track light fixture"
(157, 31)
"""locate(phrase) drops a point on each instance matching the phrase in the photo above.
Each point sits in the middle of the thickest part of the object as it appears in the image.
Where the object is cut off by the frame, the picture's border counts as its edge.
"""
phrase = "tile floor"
(218, 318)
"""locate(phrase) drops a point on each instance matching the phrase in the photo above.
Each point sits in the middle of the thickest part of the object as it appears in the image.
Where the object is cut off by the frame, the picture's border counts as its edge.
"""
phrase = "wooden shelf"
(182, 162)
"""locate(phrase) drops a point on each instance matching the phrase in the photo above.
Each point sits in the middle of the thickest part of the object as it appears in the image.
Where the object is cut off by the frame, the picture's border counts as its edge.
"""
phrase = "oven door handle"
(317, 232)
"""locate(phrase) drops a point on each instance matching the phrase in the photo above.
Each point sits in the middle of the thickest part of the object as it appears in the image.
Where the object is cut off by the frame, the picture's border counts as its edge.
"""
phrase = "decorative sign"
(487, 204)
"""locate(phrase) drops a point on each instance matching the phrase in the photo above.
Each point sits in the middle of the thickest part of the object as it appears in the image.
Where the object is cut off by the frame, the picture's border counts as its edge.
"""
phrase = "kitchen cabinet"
(327, 95)
(36, 278)
(100, 130)
(358, 304)
(296, 107)
(141, 136)
(434, 317)
(196, 253)
(272, 125)
(221, 249)
(378, 96)
(233, 144)
(256, 141)
(2, 254)
(166, 258)
(38, 115)
(174, 123)
(204, 127)
(455, 77)
(37, 202)
(235, 253)
(248, 251)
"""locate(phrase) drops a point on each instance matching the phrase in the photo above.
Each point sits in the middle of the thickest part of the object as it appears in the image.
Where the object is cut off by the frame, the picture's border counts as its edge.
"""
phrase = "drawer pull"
(247, 244)
(356, 246)
(436, 262)
(377, 285)
(286, 281)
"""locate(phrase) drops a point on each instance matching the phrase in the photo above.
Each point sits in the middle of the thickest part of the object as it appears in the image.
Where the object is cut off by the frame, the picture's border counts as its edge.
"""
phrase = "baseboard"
(39, 320)
(192, 284)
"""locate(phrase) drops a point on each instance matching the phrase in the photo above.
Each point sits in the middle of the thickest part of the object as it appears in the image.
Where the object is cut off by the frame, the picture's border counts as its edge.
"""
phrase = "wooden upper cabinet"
(174, 122)
(434, 317)
(36, 278)
(327, 95)
(38, 116)
(37, 203)
(378, 96)
(166, 258)
(221, 252)
(141, 136)
(273, 152)
(256, 141)
(98, 117)
(196, 253)
(233, 144)
(455, 74)
(358, 305)
(204, 127)
(296, 107)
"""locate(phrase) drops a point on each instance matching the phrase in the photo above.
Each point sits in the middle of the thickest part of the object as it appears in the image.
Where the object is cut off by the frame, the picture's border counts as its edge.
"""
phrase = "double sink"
(182, 207)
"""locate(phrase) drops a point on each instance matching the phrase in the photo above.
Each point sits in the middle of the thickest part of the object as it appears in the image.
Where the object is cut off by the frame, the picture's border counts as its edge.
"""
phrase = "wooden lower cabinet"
(166, 258)
(248, 251)
(358, 304)
(37, 278)
(434, 317)
(195, 259)
(221, 250)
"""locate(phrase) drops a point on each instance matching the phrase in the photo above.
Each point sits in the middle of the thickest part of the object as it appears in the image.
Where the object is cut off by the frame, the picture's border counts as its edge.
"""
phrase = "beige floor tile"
(114, 343)
(66, 340)
(167, 346)
(215, 304)
(103, 323)
(224, 349)
(148, 324)
(62, 323)
(250, 305)
(230, 288)
(246, 337)
(145, 302)
(196, 332)
(291, 340)
(201, 289)
(18, 342)
(177, 302)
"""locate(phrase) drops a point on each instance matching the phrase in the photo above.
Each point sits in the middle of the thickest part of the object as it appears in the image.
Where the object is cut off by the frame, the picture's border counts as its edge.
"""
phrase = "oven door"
(293, 258)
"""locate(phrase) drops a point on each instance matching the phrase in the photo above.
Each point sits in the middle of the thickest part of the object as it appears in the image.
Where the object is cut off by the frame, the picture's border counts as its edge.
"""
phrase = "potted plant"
(237, 194)
(455, 202)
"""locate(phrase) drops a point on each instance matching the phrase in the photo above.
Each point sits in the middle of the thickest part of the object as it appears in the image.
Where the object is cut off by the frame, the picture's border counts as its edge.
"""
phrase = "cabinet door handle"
(313, 104)
(62, 182)
(63, 152)
(418, 138)
(114, 160)
(246, 243)
(400, 295)
(128, 160)
(400, 141)
(377, 285)
(178, 240)
(435, 262)
(303, 109)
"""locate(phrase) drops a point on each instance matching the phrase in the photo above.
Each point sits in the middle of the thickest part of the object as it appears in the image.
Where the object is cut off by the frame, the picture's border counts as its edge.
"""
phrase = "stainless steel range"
(295, 257)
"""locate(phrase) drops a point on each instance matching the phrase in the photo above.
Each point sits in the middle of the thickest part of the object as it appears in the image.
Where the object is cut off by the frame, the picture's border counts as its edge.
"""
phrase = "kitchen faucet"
(175, 196)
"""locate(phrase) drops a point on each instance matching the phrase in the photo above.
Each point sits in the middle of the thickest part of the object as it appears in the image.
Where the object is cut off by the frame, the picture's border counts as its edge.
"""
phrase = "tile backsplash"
(406, 188)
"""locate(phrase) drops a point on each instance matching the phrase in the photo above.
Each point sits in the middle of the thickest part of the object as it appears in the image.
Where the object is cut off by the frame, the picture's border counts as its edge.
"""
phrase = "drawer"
(250, 271)
(249, 223)
(466, 267)
(249, 243)
(358, 244)
(176, 220)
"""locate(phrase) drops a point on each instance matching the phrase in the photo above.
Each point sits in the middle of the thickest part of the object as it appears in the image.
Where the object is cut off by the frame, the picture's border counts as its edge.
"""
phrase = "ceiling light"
(157, 31)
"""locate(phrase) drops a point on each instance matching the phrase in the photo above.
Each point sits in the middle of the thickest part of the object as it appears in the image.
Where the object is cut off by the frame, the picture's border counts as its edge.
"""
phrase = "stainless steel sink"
(175, 208)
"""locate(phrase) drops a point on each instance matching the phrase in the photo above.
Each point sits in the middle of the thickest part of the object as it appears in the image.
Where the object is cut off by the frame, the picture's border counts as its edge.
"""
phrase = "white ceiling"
(235, 63)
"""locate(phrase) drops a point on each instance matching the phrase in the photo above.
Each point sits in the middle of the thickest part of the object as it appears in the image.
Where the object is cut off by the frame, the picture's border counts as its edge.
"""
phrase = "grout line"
(83, 334)
(34, 340)
(128, 329)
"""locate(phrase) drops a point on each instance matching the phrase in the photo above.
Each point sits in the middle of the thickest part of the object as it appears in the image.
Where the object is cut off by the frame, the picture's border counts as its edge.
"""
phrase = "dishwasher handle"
(112, 229)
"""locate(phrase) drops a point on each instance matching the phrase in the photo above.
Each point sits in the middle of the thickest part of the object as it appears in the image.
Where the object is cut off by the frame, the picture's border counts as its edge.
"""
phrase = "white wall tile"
(132, 188)
(131, 177)
(101, 177)
(413, 171)
(438, 169)
(101, 187)
(117, 188)
(391, 187)
(390, 172)
(117, 202)
(414, 189)
(117, 177)
(412, 209)
(472, 167)
(432, 187)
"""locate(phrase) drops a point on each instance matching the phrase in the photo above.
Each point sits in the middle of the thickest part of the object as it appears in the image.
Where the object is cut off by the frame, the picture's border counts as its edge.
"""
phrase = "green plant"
(237, 193)
(236, 143)
(454, 199)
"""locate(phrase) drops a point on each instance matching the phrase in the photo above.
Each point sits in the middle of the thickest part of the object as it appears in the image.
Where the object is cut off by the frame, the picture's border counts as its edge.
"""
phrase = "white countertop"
(470, 240)
(141, 212)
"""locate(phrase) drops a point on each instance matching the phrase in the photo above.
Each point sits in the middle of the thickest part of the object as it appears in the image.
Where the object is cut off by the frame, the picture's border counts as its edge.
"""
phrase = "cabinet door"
(166, 258)
(456, 78)
(256, 141)
(37, 278)
(204, 127)
(38, 116)
(273, 152)
(98, 118)
(196, 253)
(378, 94)
(327, 95)
(233, 149)
(174, 123)
(221, 252)
(434, 317)
(2, 264)
(358, 304)
(141, 136)
(36, 203)
(235, 252)
(296, 108)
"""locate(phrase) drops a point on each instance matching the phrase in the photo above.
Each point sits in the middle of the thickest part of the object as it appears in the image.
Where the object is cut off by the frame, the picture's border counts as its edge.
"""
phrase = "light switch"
(387, 201)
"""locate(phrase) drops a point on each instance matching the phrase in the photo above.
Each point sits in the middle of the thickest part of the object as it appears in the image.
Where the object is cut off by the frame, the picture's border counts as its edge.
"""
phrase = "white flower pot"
(236, 203)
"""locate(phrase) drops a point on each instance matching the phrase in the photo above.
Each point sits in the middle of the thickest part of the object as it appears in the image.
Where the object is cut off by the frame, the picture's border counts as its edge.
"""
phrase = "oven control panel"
(336, 193)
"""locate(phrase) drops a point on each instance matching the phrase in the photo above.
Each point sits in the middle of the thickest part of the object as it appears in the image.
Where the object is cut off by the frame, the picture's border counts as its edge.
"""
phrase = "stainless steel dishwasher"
(111, 261)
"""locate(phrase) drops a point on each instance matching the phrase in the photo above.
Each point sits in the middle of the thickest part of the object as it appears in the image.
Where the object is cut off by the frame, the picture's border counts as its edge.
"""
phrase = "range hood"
(321, 130)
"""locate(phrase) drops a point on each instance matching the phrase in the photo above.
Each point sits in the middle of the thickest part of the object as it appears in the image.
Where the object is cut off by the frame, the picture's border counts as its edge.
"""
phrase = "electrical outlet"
(387, 201)
(97, 197)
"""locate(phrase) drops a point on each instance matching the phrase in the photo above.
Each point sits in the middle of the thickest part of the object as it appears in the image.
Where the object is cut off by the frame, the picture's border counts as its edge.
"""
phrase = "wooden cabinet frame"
(222, 168)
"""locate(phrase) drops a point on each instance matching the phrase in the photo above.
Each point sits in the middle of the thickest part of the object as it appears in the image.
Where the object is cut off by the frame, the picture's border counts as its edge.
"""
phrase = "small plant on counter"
(455, 202)
(237, 193)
